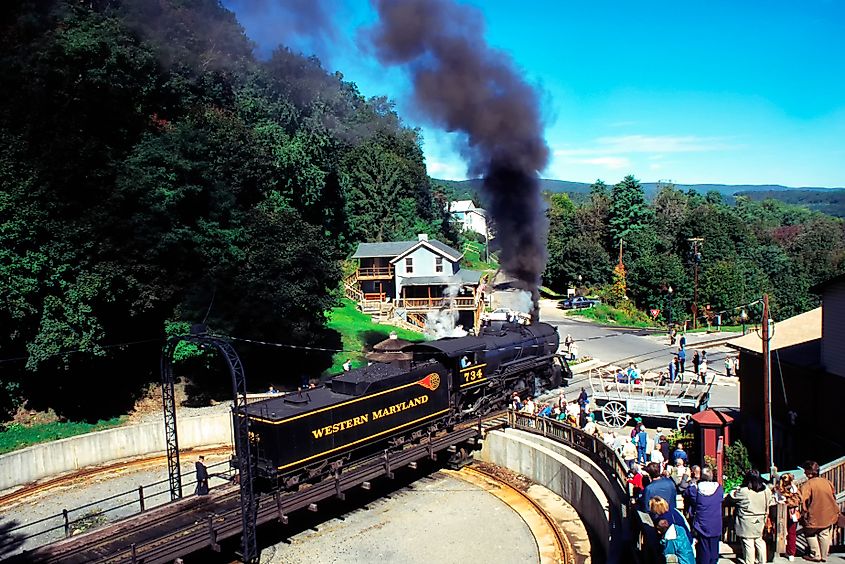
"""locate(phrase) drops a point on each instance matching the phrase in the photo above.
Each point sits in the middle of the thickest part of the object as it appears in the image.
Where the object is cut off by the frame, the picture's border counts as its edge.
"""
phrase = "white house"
(412, 274)
(470, 217)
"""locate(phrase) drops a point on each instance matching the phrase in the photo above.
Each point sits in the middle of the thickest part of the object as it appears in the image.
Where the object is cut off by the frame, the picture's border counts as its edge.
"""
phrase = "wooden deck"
(375, 273)
(426, 304)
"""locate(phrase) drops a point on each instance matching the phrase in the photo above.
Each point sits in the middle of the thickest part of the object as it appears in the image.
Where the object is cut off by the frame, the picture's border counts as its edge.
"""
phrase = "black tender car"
(580, 302)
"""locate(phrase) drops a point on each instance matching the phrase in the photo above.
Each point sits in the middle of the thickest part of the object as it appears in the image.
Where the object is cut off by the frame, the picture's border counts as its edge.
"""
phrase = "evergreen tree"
(628, 209)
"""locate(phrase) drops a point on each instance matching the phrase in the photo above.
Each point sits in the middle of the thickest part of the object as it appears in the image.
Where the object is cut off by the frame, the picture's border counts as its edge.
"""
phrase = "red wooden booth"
(713, 433)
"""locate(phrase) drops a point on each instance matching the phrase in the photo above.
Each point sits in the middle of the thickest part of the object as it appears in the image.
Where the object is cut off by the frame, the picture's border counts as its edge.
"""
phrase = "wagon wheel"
(614, 414)
(683, 421)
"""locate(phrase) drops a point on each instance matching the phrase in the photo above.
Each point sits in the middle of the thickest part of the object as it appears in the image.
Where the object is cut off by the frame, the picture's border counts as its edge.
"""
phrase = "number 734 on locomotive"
(305, 435)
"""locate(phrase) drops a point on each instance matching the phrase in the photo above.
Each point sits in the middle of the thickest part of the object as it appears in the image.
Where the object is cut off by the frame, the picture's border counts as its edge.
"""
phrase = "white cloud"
(609, 162)
(446, 170)
(662, 144)
(659, 144)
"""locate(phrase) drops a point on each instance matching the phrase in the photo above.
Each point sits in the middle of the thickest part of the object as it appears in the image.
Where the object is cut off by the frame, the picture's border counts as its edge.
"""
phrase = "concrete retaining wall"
(569, 474)
(67, 455)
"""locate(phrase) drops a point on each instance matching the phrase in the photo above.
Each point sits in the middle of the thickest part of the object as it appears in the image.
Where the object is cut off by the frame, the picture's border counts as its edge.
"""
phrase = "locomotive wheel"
(614, 414)
(683, 421)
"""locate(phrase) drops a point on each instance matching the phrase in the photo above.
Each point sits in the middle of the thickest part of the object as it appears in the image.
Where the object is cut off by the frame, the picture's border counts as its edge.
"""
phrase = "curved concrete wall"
(571, 475)
(67, 455)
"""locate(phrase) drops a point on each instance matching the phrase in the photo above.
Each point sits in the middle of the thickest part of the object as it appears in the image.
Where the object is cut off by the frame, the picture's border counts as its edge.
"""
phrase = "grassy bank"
(474, 255)
(722, 329)
(357, 330)
(604, 313)
(19, 436)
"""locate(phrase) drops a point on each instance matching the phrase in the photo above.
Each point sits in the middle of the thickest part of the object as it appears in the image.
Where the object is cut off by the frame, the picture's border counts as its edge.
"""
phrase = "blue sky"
(731, 92)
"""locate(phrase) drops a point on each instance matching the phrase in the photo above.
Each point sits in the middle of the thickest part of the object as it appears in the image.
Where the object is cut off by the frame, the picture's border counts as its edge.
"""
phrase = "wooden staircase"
(351, 288)
(417, 320)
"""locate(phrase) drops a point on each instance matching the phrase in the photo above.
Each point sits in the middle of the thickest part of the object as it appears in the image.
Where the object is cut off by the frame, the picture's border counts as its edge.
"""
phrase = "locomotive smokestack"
(463, 85)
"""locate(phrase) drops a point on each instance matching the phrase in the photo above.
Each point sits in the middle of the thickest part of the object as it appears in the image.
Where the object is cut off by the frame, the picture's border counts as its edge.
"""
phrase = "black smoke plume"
(303, 24)
(465, 86)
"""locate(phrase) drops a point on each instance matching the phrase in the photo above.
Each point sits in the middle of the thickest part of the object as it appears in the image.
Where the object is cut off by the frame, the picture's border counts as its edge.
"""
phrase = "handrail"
(140, 497)
(591, 445)
(431, 303)
(375, 272)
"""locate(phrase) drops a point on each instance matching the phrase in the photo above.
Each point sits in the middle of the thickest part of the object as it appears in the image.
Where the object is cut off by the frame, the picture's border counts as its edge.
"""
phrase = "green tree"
(628, 209)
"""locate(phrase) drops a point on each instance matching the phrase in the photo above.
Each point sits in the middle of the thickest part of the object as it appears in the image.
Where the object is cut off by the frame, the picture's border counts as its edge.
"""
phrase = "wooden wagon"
(652, 395)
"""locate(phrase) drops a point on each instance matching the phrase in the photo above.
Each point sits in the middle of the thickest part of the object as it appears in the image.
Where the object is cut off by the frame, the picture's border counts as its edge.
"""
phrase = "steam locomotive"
(301, 436)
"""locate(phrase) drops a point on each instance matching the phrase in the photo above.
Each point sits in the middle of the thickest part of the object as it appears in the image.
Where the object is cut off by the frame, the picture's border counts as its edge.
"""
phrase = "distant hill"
(828, 200)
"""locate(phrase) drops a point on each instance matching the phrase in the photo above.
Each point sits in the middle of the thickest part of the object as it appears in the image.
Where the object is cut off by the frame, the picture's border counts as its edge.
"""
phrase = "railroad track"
(70, 479)
(553, 545)
(193, 523)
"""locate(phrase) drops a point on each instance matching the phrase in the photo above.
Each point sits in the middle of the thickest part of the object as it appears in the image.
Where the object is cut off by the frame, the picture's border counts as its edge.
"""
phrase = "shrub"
(736, 463)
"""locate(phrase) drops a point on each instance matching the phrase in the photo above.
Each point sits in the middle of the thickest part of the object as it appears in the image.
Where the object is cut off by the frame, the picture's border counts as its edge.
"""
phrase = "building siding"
(833, 329)
(811, 394)
(424, 265)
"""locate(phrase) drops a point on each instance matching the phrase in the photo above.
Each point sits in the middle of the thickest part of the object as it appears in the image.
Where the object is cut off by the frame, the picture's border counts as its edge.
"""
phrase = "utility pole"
(767, 384)
(696, 260)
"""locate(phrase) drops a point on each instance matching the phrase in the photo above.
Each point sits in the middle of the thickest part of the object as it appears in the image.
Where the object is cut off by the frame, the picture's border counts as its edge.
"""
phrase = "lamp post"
(743, 317)
(696, 261)
(670, 307)
(580, 278)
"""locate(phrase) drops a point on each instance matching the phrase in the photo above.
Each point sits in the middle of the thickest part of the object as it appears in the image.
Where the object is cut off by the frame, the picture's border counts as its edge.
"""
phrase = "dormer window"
(409, 265)
(438, 264)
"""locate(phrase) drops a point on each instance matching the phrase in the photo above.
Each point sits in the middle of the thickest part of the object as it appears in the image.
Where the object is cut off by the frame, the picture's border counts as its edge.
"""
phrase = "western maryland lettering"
(401, 406)
(342, 426)
(365, 417)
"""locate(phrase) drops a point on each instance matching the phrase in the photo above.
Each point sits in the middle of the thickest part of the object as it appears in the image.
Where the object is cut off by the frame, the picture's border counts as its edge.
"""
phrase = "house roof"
(712, 417)
(433, 245)
(820, 288)
(386, 249)
(466, 206)
(787, 333)
(397, 249)
(461, 206)
(463, 277)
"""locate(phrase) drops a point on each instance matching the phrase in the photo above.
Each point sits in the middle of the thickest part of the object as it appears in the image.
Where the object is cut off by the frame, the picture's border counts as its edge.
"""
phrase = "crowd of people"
(677, 368)
(685, 505)
(575, 413)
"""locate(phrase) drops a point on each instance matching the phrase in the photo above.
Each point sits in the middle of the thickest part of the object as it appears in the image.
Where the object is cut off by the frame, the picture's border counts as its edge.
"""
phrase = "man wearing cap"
(642, 444)
(682, 357)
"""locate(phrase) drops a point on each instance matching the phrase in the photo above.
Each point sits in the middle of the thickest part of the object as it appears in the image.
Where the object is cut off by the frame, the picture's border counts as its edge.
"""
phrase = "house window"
(409, 265)
(438, 264)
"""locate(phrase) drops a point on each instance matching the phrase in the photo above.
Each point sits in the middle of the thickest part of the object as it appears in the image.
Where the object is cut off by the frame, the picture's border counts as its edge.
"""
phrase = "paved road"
(649, 350)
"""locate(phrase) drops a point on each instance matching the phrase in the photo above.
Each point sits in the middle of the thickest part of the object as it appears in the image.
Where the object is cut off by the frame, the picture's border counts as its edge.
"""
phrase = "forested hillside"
(153, 173)
(747, 249)
(828, 200)
(831, 202)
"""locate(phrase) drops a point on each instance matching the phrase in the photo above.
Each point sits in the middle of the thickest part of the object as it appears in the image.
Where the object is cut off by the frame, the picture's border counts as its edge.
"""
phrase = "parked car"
(580, 302)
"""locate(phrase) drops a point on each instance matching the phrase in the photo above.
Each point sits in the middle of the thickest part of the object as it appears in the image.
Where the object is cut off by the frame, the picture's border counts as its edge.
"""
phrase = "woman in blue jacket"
(705, 502)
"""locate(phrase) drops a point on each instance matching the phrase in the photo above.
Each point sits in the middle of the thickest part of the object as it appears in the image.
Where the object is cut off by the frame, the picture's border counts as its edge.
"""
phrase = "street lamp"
(580, 278)
(670, 306)
(696, 261)
(743, 317)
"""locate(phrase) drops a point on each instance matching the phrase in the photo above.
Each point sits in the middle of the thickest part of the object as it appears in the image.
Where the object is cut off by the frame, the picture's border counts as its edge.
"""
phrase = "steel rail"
(564, 550)
(178, 531)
